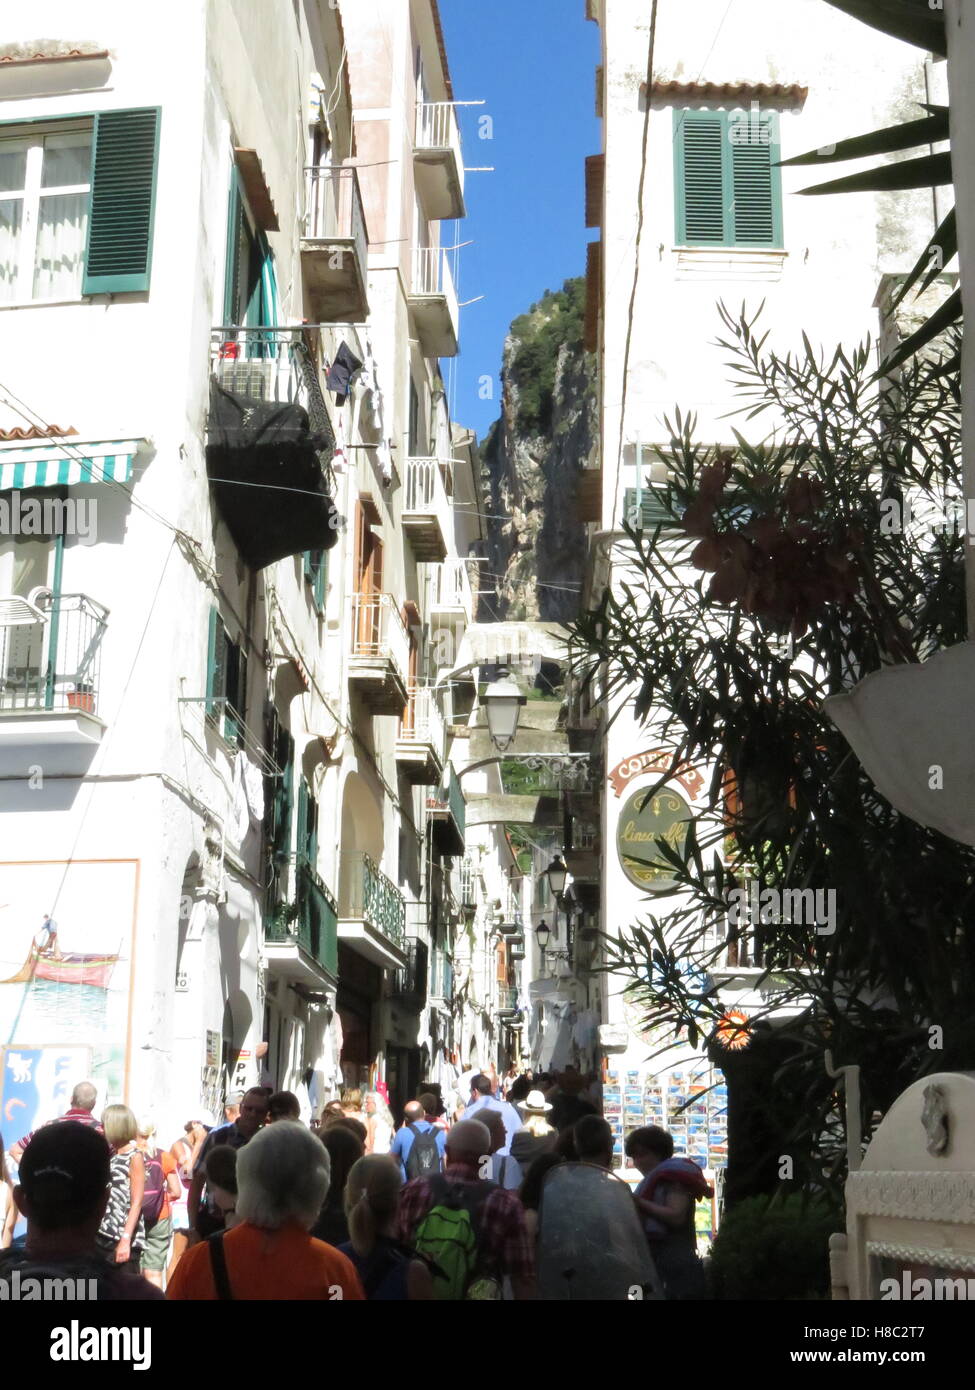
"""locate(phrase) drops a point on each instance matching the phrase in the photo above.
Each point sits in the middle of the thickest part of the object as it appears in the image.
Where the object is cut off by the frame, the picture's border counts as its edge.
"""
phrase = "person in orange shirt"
(282, 1181)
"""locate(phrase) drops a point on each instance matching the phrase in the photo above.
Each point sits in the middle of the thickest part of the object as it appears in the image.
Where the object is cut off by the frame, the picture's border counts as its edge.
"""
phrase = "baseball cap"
(64, 1172)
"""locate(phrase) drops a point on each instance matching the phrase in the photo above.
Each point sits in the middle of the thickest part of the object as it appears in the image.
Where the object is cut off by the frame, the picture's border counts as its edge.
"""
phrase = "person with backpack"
(389, 1272)
(471, 1231)
(162, 1187)
(418, 1146)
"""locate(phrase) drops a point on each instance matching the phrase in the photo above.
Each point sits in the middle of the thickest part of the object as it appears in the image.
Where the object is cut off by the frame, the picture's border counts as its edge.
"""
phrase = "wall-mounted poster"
(67, 937)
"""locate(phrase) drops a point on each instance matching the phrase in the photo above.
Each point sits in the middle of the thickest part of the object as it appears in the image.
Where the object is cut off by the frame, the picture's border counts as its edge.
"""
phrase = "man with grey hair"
(282, 1181)
(84, 1098)
(429, 1206)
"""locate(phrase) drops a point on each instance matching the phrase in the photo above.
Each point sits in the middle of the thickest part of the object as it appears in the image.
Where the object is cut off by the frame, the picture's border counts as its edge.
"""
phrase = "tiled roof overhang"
(773, 93)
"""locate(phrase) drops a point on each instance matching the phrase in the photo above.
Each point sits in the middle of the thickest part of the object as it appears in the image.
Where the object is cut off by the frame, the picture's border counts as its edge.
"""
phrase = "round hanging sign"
(643, 821)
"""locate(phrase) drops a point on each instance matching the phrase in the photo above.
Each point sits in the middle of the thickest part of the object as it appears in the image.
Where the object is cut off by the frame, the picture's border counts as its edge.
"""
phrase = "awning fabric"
(61, 463)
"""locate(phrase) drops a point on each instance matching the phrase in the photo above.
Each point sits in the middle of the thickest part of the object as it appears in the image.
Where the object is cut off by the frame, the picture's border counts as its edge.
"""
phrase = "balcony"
(438, 160)
(451, 594)
(433, 302)
(421, 745)
(50, 663)
(301, 942)
(447, 813)
(372, 913)
(380, 653)
(410, 984)
(335, 247)
(270, 442)
(428, 521)
(508, 1004)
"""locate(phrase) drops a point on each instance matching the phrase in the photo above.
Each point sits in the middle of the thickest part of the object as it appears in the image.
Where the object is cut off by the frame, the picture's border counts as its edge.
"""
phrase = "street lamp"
(556, 873)
(503, 701)
(542, 933)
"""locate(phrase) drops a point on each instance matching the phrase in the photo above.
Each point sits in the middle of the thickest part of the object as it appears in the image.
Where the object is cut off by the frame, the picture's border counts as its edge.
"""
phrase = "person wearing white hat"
(535, 1137)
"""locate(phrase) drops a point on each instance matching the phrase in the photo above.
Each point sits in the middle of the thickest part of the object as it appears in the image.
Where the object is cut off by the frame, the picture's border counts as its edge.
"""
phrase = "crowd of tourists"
(451, 1204)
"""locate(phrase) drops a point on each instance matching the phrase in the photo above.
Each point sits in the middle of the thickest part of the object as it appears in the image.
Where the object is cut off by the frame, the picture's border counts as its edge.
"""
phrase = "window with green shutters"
(728, 190)
(226, 688)
(316, 575)
(118, 256)
(77, 204)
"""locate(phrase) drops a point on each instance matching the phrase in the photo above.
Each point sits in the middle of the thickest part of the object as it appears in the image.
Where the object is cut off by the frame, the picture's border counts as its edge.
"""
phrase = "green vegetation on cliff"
(556, 321)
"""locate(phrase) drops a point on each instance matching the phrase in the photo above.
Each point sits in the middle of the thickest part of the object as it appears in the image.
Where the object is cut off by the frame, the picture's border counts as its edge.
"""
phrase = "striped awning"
(59, 463)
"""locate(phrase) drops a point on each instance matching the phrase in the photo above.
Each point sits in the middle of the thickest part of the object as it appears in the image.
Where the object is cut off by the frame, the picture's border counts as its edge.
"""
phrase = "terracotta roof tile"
(779, 93)
(36, 432)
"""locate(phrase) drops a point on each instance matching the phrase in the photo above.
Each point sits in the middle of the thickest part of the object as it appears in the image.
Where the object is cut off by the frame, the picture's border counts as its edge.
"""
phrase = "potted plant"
(82, 697)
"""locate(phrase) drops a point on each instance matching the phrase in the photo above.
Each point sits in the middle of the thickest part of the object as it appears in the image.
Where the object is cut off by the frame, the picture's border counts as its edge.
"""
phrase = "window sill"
(729, 262)
(44, 303)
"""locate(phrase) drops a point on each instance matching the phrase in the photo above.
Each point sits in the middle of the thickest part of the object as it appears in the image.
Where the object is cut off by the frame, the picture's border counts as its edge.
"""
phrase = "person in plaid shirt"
(503, 1241)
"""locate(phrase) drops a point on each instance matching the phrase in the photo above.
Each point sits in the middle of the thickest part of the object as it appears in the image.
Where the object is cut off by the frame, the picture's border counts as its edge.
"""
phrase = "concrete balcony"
(372, 913)
(301, 942)
(427, 516)
(335, 247)
(433, 303)
(451, 594)
(421, 745)
(50, 661)
(438, 160)
(380, 653)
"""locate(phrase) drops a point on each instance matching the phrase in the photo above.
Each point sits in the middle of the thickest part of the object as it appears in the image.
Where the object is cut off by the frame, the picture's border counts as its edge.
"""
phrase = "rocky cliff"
(536, 548)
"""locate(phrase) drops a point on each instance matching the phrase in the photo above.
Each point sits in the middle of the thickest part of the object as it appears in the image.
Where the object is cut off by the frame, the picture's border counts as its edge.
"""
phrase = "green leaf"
(945, 241)
(949, 313)
(928, 171)
(910, 20)
(928, 130)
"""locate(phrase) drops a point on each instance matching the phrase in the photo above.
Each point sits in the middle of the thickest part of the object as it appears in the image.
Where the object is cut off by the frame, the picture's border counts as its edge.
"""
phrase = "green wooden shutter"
(118, 257)
(699, 138)
(302, 844)
(216, 664)
(757, 203)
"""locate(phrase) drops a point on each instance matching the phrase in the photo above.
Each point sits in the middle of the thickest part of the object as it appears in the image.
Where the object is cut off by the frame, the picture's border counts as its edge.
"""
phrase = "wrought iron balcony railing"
(311, 922)
(369, 896)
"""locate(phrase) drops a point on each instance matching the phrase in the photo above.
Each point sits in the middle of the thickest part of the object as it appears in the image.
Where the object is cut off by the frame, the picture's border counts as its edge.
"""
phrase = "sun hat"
(534, 1104)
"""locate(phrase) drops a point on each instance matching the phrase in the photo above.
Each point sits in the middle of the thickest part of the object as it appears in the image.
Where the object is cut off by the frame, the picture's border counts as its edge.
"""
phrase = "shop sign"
(654, 760)
(643, 821)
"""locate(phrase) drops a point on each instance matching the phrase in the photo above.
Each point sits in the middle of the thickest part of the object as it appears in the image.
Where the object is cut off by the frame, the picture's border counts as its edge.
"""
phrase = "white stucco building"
(226, 773)
(692, 210)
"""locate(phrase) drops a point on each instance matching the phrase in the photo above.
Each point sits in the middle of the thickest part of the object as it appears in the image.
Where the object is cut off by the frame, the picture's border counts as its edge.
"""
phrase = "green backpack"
(447, 1238)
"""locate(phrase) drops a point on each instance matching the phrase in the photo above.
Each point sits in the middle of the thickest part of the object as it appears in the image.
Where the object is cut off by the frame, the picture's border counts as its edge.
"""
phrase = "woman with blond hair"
(380, 1125)
(389, 1272)
(122, 1235)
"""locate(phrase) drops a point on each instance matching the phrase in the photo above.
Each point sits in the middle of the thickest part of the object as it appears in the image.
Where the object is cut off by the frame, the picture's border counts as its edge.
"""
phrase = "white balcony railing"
(432, 277)
(334, 208)
(379, 632)
(452, 587)
(428, 483)
(423, 721)
(437, 129)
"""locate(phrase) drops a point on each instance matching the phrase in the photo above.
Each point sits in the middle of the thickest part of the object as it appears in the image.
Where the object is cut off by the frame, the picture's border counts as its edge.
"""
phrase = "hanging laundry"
(340, 461)
(342, 372)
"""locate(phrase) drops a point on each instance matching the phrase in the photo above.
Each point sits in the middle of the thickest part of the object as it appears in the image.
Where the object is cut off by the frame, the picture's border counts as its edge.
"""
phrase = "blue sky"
(533, 62)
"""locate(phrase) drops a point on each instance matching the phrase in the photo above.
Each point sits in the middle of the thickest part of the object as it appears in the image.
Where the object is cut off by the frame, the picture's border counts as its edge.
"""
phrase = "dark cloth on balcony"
(264, 467)
(342, 372)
